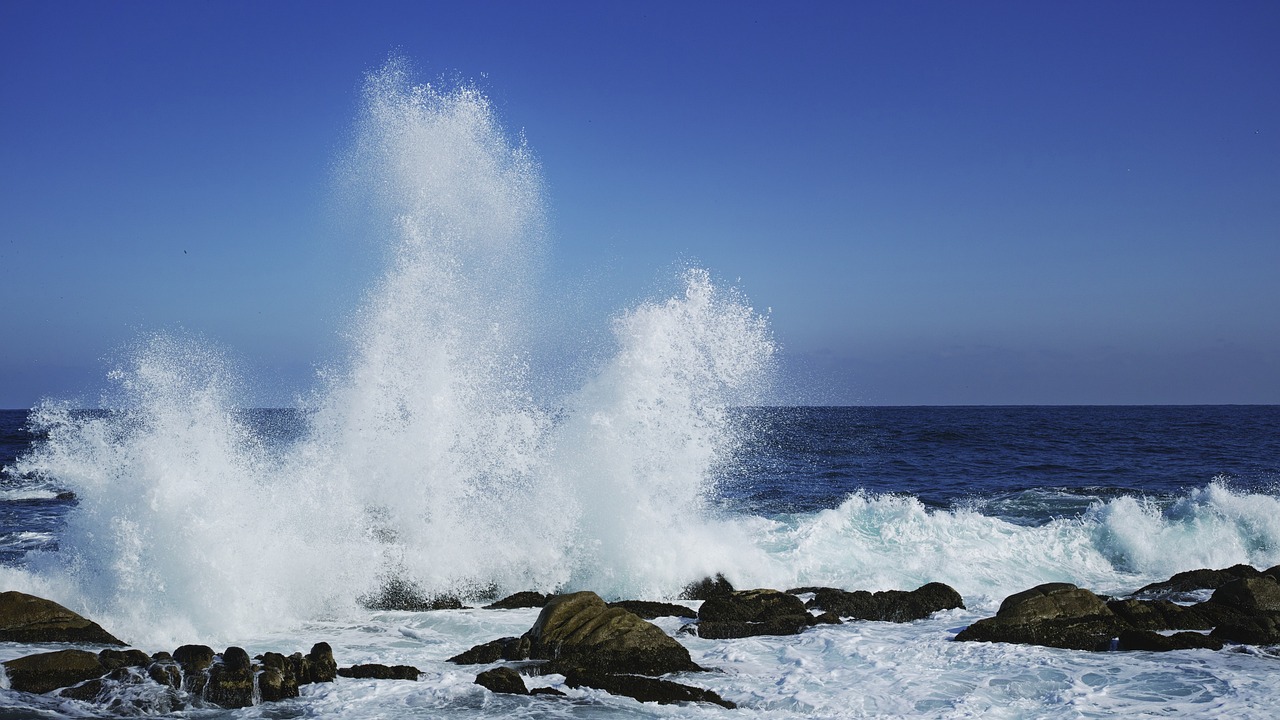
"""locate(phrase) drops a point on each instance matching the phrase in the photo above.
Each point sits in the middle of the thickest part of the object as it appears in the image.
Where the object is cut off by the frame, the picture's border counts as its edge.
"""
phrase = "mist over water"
(426, 458)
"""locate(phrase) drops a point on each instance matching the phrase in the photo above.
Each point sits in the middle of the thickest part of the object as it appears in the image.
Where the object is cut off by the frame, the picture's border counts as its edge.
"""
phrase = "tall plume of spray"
(426, 459)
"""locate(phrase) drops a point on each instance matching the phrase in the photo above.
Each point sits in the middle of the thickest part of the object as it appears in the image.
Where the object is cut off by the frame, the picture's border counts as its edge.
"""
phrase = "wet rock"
(650, 610)
(195, 661)
(112, 659)
(502, 680)
(547, 691)
(279, 676)
(1252, 595)
(707, 588)
(644, 689)
(165, 670)
(887, 605)
(580, 631)
(1155, 642)
(319, 665)
(527, 599)
(508, 648)
(1258, 630)
(43, 672)
(29, 619)
(1160, 615)
(1053, 615)
(1178, 586)
(375, 671)
(752, 612)
(399, 593)
(231, 680)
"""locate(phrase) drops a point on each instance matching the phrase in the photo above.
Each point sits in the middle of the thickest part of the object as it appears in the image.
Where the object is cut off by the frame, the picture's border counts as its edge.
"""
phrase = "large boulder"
(195, 661)
(43, 672)
(30, 619)
(887, 605)
(752, 612)
(1053, 615)
(278, 676)
(580, 630)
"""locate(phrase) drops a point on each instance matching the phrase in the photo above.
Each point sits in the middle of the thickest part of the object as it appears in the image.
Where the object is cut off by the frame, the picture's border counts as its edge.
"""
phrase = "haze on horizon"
(939, 203)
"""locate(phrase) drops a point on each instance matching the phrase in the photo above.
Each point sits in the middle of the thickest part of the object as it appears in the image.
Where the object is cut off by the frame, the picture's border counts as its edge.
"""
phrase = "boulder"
(1160, 615)
(231, 680)
(318, 666)
(1155, 642)
(508, 648)
(195, 661)
(1053, 615)
(30, 619)
(375, 671)
(112, 659)
(707, 588)
(579, 630)
(1251, 595)
(752, 612)
(526, 599)
(1256, 630)
(650, 610)
(644, 689)
(1190, 581)
(888, 605)
(279, 676)
(502, 680)
(43, 672)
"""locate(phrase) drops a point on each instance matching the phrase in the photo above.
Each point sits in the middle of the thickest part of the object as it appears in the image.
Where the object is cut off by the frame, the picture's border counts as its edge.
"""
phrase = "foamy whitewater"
(427, 458)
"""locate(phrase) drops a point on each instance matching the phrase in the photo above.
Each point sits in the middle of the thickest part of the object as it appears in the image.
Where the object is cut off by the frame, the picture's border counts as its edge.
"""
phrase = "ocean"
(438, 455)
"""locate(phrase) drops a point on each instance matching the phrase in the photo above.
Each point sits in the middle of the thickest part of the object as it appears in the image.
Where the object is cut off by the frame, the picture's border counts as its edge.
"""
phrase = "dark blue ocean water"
(1024, 464)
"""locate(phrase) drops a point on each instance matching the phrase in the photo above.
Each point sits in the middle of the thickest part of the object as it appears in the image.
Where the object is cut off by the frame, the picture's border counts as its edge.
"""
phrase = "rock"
(1252, 595)
(375, 671)
(508, 648)
(580, 631)
(1187, 582)
(644, 689)
(112, 659)
(43, 672)
(195, 661)
(1053, 615)
(399, 593)
(1258, 630)
(527, 599)
(319, 665)
(1160, 615)
(707, 588)
(1155, 642)
(30, 619)
(279, 677)
(546, 691)
(165, 670)
(888, 605)
(231, 680)
(650, 610)
(752, 612)
(502, 680)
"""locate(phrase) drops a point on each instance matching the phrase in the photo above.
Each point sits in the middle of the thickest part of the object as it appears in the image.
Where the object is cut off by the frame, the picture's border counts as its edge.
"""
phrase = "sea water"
(432, 457)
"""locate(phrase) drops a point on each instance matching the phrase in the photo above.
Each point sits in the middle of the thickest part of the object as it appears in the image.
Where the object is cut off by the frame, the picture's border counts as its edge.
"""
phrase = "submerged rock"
(29, 619)
(44, 672)
(580, 631)
(376, 671)
(644, 689)
(502, 680)
(752, 612)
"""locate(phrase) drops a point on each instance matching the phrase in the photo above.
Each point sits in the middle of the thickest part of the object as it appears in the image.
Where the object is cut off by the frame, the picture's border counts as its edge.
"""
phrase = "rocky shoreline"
(614, 648)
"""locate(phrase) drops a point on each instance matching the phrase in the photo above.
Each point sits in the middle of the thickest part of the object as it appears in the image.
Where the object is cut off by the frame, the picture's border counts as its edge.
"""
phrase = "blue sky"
(973, 203)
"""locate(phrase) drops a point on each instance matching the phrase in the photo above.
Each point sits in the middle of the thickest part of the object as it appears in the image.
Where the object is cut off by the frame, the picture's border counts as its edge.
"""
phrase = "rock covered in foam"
(580, 630)
(30, 619)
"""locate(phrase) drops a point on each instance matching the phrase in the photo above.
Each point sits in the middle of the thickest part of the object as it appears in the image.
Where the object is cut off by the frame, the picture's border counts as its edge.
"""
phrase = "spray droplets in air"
(425, 462)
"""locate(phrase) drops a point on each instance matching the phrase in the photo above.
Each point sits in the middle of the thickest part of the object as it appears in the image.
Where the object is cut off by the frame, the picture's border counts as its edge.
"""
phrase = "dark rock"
(1257, 630)
(752, 612)
(30, 619)
(374, 671)
(650, 610)
(826, 618)
(1160, 615)
(52, 670)
(1053, 615)
(644, 689)
(1252, 595)
(279, 677)
(65, 495)
(399, 593)
(319, 665)
(112, 659)
(195, 661)
(1155, 642)
(547, 691)
(502, 680)
(166, 672)
(231, 680)
(707, 588)
(527, 599)
(807, 590)
(887, 605)
(580, 631)
(508, 648)
(1192, 580)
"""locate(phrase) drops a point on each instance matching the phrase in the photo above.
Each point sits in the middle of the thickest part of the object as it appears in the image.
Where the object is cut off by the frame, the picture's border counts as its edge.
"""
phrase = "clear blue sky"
(942, 202)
